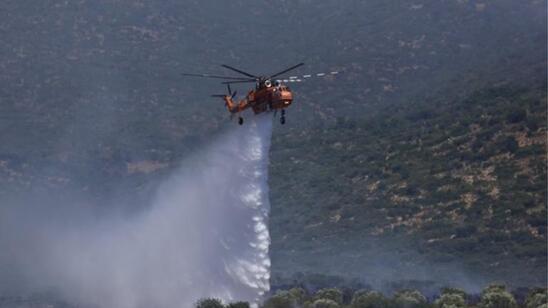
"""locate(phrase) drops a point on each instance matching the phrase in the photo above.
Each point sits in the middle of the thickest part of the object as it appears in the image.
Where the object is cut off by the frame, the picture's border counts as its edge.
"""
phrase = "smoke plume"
(205, 235)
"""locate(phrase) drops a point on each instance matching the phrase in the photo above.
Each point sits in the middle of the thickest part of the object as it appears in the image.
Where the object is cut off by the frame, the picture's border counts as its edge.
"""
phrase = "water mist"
(205, 235)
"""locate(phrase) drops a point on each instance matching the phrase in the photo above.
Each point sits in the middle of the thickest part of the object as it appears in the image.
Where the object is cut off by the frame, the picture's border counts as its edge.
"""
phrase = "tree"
(454, 291)
(496, 296)
(325, 303)
(537, 298)
(451, 300)
(209, 303)
(282, 299)
(409, 299)
(369, 299)
(332, 294)
(299, 295)
(238, 305)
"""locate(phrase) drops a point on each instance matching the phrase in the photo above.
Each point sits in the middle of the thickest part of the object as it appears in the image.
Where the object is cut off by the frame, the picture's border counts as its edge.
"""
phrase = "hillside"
(445, 185)
(424, 159)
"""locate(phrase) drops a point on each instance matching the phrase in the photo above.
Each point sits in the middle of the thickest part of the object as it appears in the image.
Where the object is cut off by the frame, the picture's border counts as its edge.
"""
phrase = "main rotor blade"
(239, 71)
(302, 78)
(214, 76)
(287, 70)
(240, 81)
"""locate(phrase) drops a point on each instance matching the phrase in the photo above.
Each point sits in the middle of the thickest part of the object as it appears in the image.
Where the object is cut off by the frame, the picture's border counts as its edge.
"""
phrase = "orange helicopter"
(269, 94)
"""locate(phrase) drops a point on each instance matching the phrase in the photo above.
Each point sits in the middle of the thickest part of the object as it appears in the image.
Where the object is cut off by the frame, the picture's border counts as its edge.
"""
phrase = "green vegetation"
(282, 299)
(369, 299)
(451, 298)
(537, 298)
(324, 303)
(450, 301)
(238, 305)
(492, 296)
(428, 151)
(209, 303)
(410, 299)
(496, 296)
(443, 182)
(331, 294)
(216, 303)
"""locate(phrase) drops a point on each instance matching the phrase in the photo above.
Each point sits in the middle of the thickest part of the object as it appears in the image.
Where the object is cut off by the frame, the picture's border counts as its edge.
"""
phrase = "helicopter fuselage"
(262, 99)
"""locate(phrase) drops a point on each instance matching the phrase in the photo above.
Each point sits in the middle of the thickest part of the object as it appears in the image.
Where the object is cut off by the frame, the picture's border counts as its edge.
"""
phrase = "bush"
(332, 294)
(496, 296)
(369, 299)
(209, 303)
(409, 299)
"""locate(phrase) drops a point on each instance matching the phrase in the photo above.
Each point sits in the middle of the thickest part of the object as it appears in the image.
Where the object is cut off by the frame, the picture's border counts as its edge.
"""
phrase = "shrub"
(209, 303)
(332, 294)
(409, 298)
(496, 296)
(369, 299)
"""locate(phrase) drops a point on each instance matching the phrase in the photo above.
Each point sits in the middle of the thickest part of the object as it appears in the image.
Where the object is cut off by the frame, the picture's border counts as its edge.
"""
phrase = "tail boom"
(234, 107)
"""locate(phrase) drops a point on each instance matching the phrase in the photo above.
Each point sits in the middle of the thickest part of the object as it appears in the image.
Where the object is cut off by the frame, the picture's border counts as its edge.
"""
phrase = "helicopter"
(270, 94)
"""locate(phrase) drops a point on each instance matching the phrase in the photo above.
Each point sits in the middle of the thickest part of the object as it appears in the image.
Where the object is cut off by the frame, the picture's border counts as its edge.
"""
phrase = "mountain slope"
(424, 157)
(444, 184)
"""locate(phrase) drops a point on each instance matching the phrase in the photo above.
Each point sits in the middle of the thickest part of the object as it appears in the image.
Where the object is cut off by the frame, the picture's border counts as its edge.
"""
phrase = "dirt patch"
(486, 174)
(524, 141)
(468, 199)
(494, 193)
(373, 186)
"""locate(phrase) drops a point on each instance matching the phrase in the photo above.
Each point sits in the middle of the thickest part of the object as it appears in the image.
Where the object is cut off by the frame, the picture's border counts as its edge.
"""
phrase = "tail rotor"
(230, 93)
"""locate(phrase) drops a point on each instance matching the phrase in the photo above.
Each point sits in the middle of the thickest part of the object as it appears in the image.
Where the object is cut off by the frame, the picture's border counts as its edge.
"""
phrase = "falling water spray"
(205, 235)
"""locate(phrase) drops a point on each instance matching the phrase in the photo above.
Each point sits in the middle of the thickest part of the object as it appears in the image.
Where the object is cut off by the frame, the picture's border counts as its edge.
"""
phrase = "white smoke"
(205, 235)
